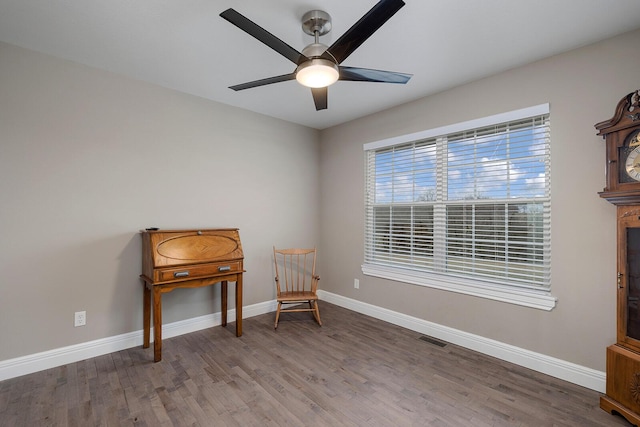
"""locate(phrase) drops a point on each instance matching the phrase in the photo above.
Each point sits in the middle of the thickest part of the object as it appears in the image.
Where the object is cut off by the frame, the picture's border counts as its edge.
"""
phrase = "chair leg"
(316, 313)
(275, 326)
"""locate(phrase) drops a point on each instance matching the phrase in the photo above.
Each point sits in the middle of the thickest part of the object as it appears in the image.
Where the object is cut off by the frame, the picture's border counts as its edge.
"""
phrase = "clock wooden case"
(622, 136)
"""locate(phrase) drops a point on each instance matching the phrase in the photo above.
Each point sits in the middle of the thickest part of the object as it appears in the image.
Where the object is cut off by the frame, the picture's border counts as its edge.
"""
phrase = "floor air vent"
(433, 341)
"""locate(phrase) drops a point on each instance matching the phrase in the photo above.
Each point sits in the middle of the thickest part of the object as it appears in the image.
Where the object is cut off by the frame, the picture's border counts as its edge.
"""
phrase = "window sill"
(541, 300)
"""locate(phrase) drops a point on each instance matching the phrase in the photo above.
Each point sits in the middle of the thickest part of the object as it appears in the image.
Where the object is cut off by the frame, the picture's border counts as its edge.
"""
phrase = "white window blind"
(472, 205)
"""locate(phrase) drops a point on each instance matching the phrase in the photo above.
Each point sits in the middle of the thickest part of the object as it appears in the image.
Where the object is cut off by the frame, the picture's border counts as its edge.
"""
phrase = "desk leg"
(146, 316)
(239, 306)
(223, 302)
(157, 324)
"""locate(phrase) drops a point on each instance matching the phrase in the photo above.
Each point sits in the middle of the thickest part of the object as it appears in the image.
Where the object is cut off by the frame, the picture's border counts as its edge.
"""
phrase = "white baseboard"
(61, 356)
(577, 374)
(586, 377)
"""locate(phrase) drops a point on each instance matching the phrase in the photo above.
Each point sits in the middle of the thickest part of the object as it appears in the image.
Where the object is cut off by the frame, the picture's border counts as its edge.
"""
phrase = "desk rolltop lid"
(165, 248)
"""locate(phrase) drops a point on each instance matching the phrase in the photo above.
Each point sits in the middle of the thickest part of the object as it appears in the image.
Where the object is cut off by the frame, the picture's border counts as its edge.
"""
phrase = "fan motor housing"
(314, 50)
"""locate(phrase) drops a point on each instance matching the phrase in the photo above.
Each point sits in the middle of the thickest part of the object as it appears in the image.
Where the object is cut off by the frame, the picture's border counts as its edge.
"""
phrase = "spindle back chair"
(296, 281)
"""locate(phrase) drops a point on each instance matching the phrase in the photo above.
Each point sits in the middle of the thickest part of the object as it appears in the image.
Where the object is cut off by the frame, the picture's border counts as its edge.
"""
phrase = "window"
(464, 208)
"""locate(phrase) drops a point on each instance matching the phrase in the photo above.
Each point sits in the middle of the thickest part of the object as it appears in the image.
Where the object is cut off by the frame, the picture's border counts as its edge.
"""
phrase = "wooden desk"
(173, 259)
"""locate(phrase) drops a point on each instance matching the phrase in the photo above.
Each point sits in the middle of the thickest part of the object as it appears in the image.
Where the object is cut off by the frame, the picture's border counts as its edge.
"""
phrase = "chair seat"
(297, 296)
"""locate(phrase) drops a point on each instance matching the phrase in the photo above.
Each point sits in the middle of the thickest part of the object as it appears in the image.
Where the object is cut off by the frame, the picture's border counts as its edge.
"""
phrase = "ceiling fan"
(318, 66)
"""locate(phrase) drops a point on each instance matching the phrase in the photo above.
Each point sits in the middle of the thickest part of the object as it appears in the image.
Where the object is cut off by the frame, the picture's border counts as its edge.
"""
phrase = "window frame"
(539, 298)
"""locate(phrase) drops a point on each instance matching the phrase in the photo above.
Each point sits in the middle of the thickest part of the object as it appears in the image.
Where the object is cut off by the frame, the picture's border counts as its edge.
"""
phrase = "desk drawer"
(198, 271)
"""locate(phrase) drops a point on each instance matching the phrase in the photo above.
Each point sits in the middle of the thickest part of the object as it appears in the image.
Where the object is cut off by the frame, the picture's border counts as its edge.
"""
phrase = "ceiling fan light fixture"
(317, 73)
(318, 66)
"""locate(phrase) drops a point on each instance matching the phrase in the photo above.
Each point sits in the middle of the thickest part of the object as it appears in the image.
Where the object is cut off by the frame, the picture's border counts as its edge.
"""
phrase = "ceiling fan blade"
(355, 74)
(362, 30)
(253, 29)
(263, 82)
(320, 97)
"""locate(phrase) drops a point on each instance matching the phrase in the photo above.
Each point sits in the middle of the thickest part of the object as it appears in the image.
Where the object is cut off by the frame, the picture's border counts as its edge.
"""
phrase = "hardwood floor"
(352, 371)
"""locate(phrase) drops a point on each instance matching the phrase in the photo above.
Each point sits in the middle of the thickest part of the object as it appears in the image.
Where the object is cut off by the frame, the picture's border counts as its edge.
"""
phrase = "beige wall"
(583, 87)
(88, 158)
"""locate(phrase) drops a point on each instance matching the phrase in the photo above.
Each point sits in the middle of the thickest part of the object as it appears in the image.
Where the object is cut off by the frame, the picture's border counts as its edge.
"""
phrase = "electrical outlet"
(80, 318)
(356, 283)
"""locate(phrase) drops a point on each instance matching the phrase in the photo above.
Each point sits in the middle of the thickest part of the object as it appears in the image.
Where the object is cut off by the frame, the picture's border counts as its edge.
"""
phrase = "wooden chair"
(296, 281)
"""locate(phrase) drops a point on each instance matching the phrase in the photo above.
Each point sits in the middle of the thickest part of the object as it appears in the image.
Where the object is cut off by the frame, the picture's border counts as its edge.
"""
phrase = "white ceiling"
(186, 46)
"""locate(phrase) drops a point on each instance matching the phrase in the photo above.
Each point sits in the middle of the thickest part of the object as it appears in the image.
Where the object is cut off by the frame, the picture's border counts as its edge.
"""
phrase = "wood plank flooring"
(352, 371)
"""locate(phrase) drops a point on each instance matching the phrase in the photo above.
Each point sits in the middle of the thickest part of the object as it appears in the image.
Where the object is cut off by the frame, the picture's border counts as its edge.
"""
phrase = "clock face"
(629, 159)
(632, 164)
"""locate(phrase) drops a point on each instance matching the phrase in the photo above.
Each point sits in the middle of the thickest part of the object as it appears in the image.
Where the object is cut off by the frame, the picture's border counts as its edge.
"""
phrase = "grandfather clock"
(622, 136)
